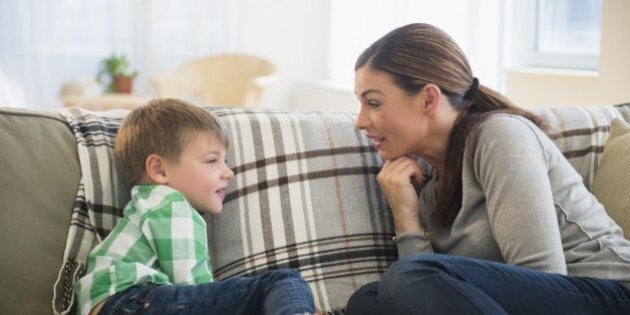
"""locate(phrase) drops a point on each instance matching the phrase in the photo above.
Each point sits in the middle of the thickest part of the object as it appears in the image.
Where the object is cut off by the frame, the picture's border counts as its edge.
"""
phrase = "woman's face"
(392, 119)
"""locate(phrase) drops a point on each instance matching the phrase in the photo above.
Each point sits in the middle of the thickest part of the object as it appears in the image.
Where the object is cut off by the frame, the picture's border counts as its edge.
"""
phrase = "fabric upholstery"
(100, 198)
(611, 184)
(305, 197)
(38, 183)
(581, 132)
(304, 194)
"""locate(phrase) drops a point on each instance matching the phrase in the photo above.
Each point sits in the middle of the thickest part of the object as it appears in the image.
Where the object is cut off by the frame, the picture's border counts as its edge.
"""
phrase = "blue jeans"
(281, 291)
(444, 284)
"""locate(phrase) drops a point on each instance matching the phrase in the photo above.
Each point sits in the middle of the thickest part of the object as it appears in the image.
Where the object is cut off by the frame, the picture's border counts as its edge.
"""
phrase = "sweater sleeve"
(410, 244)
(511, 164)
(416, 243)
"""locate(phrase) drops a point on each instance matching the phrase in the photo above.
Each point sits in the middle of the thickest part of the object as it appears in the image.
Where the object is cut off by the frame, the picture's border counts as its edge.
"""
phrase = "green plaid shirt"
(160, 239)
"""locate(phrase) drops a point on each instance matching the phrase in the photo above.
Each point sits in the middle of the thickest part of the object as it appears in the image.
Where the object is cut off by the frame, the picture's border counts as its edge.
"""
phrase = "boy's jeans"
(274, 292)
(444, 284)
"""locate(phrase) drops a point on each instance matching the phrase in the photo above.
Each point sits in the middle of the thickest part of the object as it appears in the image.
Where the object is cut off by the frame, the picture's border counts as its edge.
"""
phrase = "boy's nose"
(229, 173)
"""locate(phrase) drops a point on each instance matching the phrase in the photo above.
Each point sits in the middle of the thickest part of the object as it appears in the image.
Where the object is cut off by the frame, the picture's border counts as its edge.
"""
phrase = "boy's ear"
(154, 166)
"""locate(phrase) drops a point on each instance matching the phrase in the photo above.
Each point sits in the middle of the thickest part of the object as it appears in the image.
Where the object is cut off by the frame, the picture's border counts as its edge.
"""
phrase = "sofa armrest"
(38, 183)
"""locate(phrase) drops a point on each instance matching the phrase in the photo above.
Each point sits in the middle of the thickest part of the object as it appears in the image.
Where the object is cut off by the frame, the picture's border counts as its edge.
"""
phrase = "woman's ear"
(155, 168)
(432, 97)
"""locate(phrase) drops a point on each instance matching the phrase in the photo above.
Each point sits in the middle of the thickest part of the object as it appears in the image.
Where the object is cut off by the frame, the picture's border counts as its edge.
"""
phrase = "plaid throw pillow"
(581, 132)
(304, 196)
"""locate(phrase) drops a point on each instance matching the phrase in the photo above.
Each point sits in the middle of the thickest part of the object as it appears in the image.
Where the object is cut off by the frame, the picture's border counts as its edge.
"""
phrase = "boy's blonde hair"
(162, 127)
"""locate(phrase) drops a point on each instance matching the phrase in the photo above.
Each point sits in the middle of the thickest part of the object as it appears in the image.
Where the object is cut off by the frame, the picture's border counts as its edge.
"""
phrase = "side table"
(106, 101)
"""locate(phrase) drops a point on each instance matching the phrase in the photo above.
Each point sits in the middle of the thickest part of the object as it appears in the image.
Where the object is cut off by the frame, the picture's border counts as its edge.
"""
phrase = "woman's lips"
(377, 141)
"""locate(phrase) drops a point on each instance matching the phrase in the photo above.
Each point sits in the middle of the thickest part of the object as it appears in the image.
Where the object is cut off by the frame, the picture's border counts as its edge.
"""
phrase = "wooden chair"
(222, 80)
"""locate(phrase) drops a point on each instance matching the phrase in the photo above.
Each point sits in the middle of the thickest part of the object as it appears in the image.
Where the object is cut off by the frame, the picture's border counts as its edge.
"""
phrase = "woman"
(502, 223)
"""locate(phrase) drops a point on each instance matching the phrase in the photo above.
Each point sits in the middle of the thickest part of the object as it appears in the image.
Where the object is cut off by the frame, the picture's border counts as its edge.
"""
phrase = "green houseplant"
(115, 74)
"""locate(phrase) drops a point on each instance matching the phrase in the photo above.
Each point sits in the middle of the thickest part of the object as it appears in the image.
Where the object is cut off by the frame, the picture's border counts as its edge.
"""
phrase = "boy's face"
(201, 174)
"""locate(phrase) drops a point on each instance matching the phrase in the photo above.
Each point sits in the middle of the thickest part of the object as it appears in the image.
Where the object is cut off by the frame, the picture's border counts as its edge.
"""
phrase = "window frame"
(525, 15)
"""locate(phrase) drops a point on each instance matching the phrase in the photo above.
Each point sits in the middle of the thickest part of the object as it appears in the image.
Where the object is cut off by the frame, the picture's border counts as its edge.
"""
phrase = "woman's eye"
(212, 161)
(373, 103)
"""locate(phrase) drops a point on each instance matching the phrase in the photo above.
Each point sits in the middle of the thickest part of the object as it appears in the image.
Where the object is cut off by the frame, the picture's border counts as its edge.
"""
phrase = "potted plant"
(115, 74)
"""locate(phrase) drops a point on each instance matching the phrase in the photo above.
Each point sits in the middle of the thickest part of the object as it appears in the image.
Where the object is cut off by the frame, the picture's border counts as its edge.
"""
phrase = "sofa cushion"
(304, 196)
(40, 176)
(611, 184)
(580, 132)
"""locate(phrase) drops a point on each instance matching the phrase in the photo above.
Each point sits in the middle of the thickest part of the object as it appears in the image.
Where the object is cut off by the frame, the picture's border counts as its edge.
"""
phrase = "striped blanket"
(304, 195)
(101, 196)
(581, 132)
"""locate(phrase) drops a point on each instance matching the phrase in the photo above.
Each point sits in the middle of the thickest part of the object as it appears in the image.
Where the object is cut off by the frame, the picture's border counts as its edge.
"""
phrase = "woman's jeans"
(274, 292)
(444, 284)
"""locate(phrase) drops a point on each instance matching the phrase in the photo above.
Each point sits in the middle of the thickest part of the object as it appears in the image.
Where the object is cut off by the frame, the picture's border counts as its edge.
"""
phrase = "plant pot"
(123, 84)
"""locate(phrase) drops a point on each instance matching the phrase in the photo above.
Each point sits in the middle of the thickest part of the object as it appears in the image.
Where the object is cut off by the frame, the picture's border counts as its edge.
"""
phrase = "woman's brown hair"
(417, 54)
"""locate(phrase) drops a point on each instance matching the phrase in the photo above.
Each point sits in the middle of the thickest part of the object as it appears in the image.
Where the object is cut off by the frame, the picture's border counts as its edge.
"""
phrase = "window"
(557, 33)
(473, 24)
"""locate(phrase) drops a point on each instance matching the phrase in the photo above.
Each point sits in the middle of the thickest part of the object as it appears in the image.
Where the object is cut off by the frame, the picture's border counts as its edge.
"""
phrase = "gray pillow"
(611, 184)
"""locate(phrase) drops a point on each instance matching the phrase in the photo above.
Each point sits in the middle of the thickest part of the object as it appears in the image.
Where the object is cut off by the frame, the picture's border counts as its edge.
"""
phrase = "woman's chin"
(385, 155)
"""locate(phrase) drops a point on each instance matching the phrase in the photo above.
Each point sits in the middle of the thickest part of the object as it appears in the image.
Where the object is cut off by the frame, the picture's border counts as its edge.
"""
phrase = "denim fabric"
(443, 284)
(274, 292)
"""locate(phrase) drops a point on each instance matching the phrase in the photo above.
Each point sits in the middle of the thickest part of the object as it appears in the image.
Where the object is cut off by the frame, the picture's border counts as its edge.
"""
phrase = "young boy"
(155, 260)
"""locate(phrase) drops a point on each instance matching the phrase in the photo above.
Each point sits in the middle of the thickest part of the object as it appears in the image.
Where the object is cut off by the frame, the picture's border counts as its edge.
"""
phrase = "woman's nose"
(360, 121)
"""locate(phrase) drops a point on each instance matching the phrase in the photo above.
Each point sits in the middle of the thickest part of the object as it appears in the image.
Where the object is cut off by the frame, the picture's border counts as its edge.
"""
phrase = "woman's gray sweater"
(524, 204)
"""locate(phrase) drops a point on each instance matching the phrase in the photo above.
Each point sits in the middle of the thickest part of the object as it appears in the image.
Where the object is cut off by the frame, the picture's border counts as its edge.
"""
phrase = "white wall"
(614, 71)
(292, 34)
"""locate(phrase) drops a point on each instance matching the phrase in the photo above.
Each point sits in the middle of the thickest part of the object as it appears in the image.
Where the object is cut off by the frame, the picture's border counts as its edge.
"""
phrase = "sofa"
(304, 196)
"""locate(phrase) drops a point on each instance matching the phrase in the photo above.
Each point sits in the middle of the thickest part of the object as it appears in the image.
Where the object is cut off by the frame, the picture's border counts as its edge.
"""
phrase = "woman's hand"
(397, 179)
